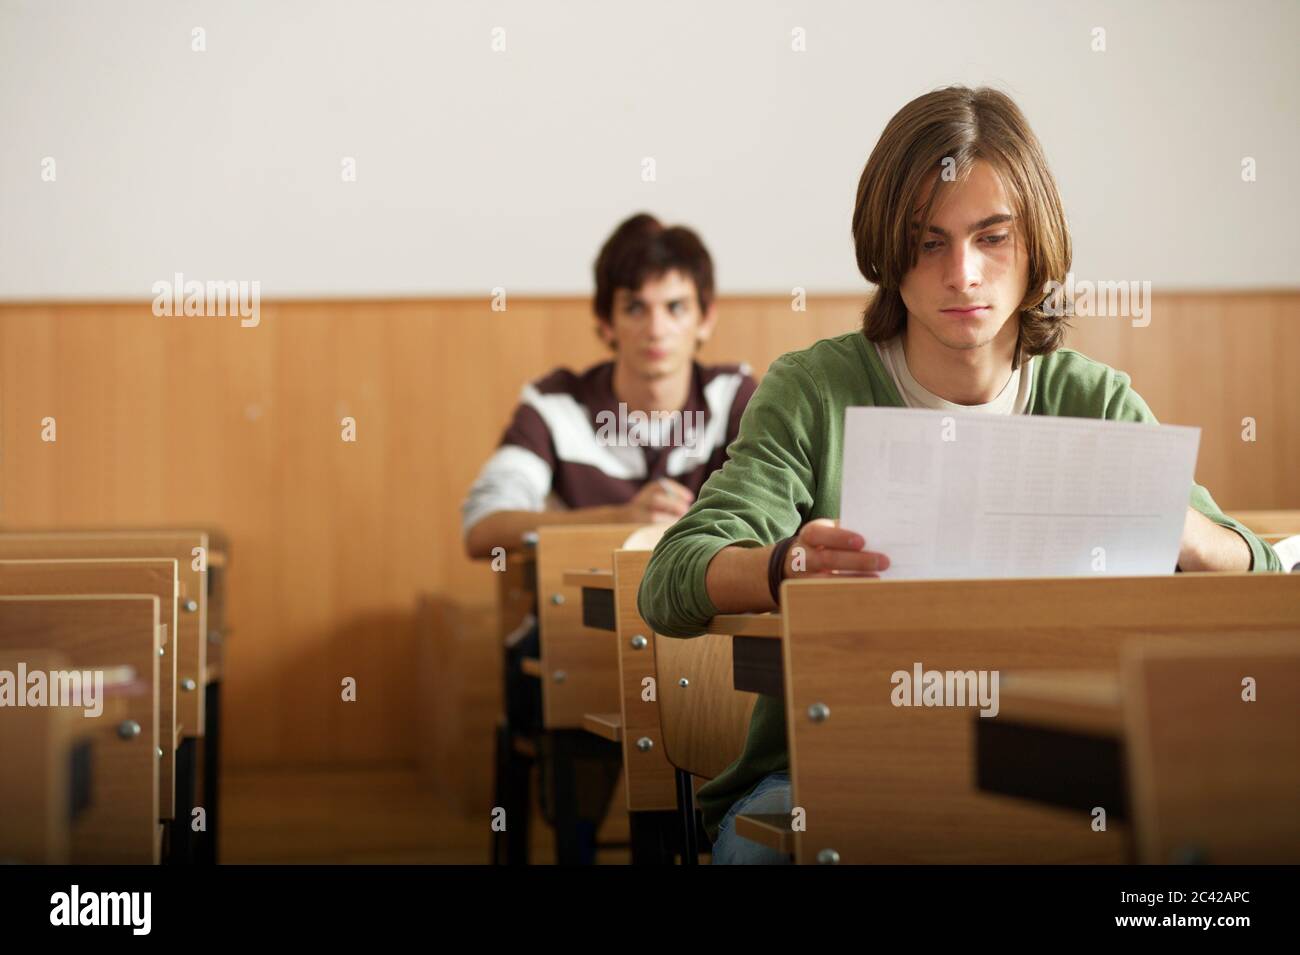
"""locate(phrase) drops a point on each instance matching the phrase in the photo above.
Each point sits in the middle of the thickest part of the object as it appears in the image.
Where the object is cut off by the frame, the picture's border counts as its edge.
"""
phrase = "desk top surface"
(591, 579)
(747, 624)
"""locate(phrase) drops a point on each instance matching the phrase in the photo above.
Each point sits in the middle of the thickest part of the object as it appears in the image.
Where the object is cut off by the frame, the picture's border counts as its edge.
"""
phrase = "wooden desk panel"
(886, 783)
(106, 632)
(119, 576)
(579, 671)
(192, 619)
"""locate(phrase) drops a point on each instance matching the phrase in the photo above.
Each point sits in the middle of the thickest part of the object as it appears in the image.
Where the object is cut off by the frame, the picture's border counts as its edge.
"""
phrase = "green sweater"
(784, 470)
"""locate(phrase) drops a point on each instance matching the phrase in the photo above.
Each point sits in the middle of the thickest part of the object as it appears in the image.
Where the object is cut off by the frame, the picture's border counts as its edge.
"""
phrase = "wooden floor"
(384, 816)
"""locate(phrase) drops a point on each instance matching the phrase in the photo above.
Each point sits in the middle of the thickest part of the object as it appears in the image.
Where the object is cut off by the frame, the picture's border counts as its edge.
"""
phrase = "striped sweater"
(572, 444)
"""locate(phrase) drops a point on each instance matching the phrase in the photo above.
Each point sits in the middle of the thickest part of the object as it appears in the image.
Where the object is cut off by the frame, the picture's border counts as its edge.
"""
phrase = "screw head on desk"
(645, 744)
(128, 729)
(162, 651)
(819, 712)
(557, 599)
(639, 642)
(188, 685)
(828, 857)
(160, 752)
(190, 606)
(683, 682)
(559, 676)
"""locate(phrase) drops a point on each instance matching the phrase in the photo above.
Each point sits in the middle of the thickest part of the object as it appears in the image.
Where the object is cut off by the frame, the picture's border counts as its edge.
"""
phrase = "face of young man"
(971, 269)
(656, 329)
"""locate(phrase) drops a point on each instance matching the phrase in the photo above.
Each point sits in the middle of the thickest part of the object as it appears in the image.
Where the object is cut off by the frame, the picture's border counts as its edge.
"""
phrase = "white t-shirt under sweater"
(1012, 399)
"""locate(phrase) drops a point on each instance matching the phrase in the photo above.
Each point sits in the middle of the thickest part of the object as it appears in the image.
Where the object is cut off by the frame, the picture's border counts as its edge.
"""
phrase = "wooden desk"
(1214, 770)
(654, 825)
(119, 576)
(197, 630)
(191, 624)
(106, 632)
(38, 786)
(609, 605)
(1166, 745)
(579, 674)
(884, 783)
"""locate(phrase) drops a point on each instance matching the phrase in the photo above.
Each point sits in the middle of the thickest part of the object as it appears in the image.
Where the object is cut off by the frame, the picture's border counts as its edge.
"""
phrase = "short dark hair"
(644, 248)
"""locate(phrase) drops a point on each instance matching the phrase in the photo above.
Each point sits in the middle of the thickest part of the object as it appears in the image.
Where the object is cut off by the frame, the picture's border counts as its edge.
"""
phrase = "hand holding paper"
(974, 495)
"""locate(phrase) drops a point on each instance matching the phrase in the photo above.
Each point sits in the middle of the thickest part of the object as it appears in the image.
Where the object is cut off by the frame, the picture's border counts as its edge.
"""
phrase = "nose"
(961, 269)
(660, 321)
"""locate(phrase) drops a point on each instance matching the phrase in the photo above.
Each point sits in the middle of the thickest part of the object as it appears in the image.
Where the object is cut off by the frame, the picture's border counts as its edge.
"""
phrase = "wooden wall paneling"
(198, 421)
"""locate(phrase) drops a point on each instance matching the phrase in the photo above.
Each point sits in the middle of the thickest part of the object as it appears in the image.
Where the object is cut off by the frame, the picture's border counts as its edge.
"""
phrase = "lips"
(971, 310)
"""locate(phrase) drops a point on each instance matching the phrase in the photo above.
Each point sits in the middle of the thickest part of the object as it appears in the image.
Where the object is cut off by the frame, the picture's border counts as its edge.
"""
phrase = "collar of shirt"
(1012, 399)
(598, 397)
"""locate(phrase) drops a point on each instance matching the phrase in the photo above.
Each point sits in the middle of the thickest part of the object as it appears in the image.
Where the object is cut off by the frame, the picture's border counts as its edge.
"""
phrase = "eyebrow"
(634, 299)
(974, 227)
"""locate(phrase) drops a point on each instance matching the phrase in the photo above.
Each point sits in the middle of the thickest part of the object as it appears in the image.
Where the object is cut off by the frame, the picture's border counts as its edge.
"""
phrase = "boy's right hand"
(823, 548)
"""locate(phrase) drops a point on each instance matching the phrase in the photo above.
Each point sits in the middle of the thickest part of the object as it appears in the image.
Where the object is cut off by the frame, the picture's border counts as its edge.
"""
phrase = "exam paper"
(946, 494)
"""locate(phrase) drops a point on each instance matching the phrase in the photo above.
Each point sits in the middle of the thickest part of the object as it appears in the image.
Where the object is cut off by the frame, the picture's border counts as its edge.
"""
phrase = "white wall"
(478, 169)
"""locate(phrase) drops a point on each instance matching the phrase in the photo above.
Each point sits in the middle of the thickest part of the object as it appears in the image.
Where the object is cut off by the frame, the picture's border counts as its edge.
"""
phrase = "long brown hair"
(949, 129)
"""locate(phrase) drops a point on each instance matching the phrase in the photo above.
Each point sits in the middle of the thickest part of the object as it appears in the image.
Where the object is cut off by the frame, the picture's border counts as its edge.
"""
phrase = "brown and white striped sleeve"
(519, 474)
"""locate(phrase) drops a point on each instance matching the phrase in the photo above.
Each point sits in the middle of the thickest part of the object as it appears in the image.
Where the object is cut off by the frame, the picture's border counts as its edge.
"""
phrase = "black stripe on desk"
(1053, 766)
(80, 778)
(598, 608)
(756, 665)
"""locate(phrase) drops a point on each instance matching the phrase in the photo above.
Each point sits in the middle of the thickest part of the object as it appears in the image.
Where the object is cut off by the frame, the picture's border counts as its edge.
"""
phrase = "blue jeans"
(771, 795)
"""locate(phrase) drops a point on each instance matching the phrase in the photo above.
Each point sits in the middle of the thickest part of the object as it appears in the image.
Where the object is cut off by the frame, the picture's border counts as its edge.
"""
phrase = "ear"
(707, 323)
(605, 332)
